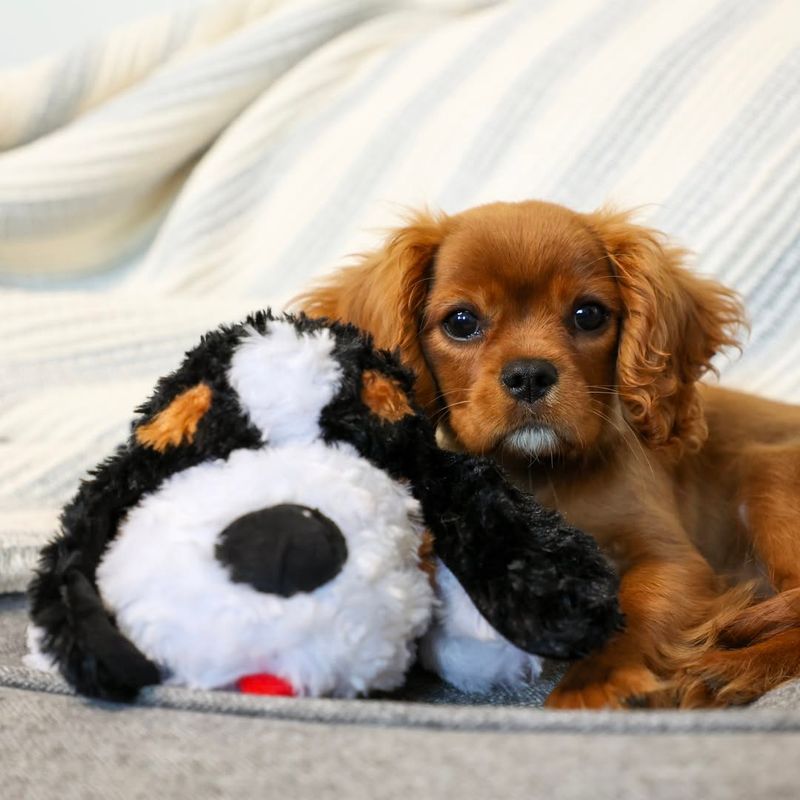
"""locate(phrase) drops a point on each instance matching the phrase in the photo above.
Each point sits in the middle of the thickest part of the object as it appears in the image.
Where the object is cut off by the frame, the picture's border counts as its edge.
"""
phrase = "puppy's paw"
(617, 688)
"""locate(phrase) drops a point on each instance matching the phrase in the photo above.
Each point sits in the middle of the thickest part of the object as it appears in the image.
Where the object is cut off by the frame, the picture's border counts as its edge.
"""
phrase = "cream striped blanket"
(194, 167)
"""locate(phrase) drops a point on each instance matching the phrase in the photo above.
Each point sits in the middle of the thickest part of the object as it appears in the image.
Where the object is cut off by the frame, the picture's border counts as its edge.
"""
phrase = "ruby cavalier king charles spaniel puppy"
(571, 348)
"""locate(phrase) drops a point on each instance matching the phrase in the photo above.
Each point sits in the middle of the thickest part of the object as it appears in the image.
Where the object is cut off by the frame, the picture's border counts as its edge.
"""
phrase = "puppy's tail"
(733, 619)
(77, 632)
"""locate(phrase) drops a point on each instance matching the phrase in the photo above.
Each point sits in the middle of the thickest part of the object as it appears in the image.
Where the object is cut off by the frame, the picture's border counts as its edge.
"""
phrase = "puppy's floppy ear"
(384, 293)
(673, 323)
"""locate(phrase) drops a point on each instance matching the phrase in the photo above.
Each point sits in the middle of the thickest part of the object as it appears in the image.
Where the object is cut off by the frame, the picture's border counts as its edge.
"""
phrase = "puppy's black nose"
(528, 379)
(282, 550)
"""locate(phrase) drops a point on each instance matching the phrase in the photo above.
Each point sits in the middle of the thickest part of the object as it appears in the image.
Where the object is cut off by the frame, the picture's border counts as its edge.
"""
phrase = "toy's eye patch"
(384, 397)
(177, 423)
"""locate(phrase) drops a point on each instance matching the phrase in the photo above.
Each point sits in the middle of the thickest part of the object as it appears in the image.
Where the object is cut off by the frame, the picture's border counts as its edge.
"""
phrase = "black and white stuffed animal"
(268, 515)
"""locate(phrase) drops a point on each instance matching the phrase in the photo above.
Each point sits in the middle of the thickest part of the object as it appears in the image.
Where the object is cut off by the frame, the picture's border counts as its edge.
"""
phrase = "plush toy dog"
(266, 516)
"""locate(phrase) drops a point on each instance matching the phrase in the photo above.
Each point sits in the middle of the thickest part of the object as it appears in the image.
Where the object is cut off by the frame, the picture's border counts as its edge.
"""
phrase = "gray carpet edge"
(389, 713)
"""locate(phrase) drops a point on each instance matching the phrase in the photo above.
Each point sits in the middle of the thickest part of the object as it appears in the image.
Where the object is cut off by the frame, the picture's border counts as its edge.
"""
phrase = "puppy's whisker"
(632, 442)
(602, 390)
(437, 415)
(451, 406)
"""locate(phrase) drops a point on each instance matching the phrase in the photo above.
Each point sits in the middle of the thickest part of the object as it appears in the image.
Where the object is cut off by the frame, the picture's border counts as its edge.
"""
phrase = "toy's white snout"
(180, 604)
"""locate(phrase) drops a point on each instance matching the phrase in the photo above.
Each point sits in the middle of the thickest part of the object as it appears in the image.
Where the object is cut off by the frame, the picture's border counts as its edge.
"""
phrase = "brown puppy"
(570, 346)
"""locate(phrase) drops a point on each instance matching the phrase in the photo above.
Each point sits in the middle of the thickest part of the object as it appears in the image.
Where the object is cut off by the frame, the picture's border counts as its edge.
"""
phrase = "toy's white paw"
(464, 650)
(36, 659)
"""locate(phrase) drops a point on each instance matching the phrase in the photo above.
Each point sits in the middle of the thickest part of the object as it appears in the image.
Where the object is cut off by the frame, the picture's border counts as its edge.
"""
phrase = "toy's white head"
(293, 557)
(334, 607)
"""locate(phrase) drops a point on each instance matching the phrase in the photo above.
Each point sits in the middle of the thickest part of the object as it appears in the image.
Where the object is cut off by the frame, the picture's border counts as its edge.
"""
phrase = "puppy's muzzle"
(529, 379)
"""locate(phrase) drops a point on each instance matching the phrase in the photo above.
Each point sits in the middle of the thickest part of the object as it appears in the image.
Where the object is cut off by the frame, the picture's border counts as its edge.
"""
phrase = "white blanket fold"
(194, 167)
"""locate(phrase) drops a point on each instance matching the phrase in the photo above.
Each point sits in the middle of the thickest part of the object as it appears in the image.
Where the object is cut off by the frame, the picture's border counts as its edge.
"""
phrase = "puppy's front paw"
(620, 687)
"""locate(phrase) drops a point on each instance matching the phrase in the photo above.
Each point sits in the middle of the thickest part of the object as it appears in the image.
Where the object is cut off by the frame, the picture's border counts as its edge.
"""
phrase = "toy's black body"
(539, 582)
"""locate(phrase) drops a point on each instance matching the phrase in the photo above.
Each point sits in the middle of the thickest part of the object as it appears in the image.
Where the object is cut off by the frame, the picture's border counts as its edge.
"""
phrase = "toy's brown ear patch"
(427, 557)
(177, 423)
(384, 397)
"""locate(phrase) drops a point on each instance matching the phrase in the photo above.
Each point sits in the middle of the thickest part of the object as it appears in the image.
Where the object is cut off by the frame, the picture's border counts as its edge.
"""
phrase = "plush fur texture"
(284, 381)
(176, 601)
(627, 443)
(507, 551)
(65, 579)
(464, 649)
(289, 421)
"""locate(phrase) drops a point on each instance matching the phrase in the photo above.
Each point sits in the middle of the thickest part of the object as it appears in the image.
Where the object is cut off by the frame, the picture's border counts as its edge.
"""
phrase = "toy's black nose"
(528, 379)
(282, 550)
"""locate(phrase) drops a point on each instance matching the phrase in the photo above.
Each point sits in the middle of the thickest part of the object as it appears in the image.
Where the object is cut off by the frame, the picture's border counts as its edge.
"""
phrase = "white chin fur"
(533, 441)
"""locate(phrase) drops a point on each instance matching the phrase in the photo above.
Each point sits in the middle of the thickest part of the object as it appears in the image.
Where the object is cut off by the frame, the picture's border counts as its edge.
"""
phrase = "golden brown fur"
(177, 423)
(693, 490)
(384, 397)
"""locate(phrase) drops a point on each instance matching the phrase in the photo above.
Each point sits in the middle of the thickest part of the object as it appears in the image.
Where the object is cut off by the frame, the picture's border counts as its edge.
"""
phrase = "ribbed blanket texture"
(191, 168)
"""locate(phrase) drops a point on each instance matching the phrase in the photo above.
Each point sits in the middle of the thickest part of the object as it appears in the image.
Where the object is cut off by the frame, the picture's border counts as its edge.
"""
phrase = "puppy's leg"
(662, 600)
(771, 506)
(759, 647)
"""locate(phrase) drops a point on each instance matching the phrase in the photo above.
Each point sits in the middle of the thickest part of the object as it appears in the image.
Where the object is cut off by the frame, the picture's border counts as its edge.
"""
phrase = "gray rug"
(55, 746)
(423, 702)
(427, 741)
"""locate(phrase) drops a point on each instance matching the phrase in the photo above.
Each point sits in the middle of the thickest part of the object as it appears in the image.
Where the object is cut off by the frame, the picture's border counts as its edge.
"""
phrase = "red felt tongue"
(264, 683)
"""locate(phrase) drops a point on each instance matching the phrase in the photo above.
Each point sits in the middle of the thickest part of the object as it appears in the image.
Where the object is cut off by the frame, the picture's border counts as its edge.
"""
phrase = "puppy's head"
(538, 331)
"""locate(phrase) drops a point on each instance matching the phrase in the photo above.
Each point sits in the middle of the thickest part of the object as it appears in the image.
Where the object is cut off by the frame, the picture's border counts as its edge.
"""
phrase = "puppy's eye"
(590, 317)
(462, 324)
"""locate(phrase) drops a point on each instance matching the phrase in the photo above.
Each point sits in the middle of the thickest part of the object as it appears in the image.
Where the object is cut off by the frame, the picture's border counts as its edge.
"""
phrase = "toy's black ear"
(177, 423)
(80, 635)
(384, 396)
(102, 662)
(542, 584)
